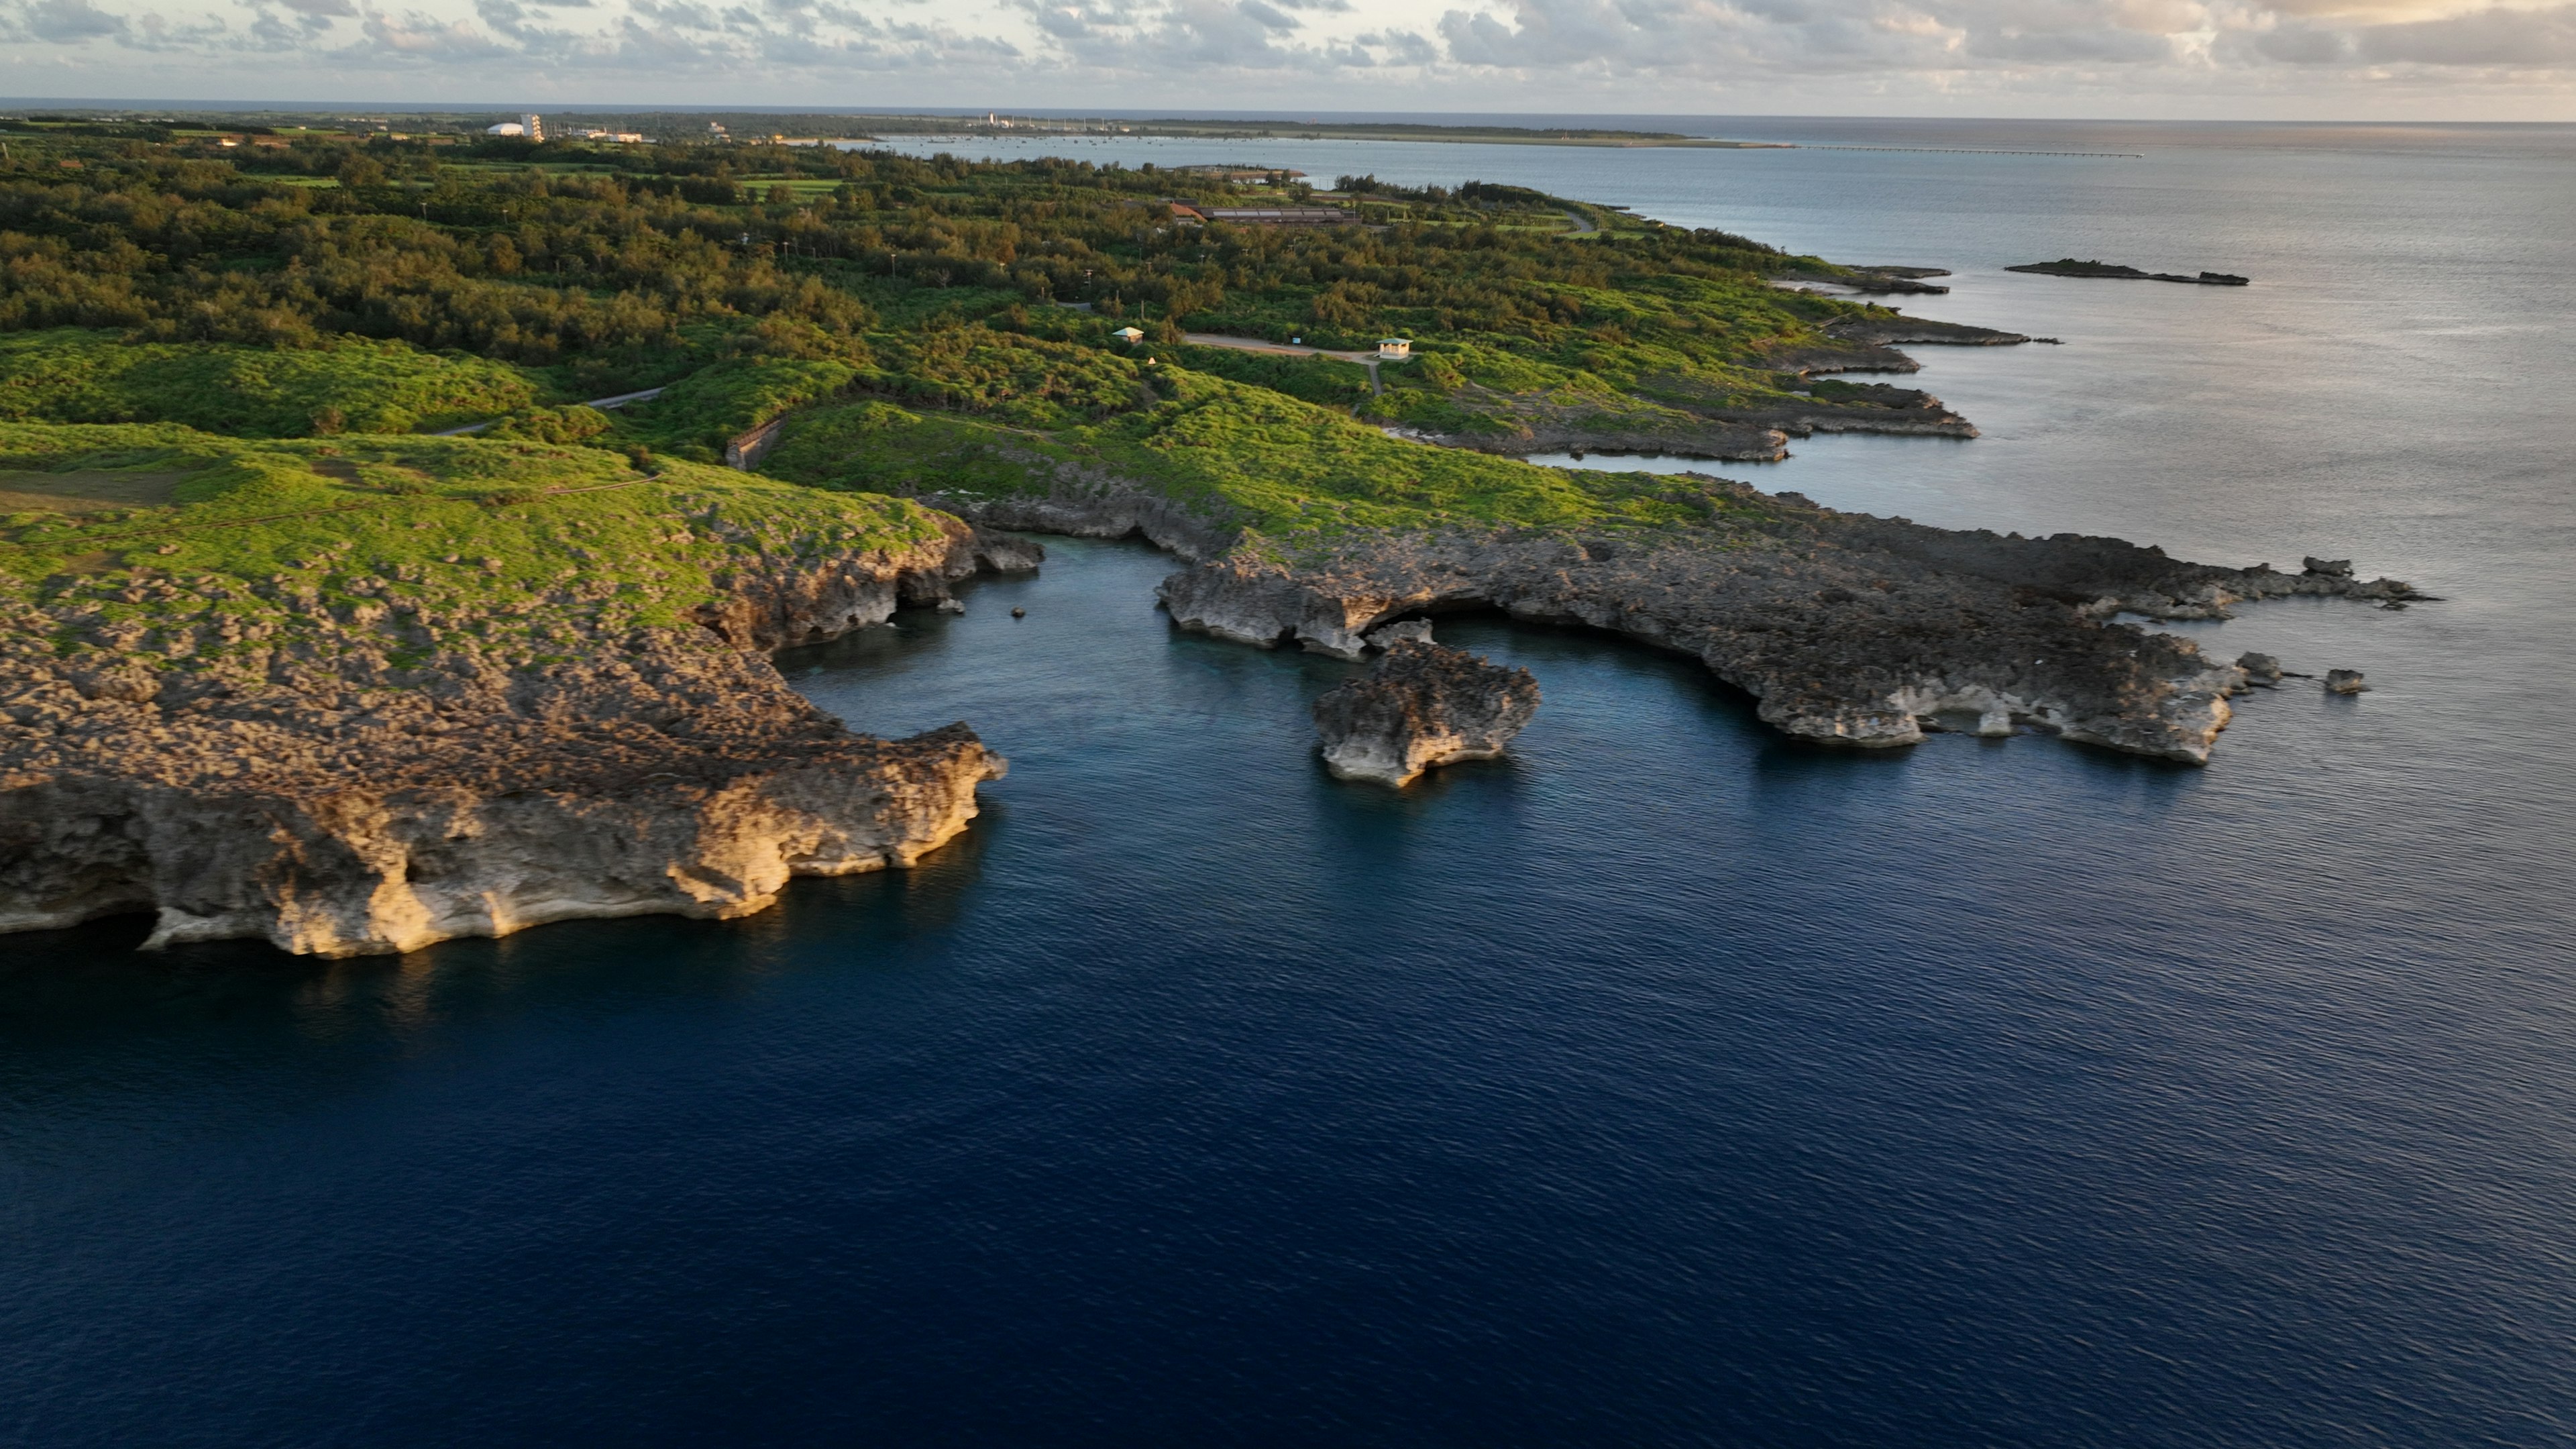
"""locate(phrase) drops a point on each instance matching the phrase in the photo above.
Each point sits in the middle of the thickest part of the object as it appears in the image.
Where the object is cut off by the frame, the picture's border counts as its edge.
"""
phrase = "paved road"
(1582, 224)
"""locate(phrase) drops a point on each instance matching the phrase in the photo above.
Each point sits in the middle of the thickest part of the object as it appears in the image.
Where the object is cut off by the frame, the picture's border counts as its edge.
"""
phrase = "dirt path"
(1368, 360)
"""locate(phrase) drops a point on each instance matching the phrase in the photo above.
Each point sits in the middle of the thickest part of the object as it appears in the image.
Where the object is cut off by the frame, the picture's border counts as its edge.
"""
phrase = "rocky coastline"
(1847, 628)
(394, 780)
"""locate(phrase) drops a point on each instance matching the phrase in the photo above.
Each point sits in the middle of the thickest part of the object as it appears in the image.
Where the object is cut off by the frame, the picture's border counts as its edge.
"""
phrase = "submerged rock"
(1386, 636)
(2345, 681)
(1423, 705)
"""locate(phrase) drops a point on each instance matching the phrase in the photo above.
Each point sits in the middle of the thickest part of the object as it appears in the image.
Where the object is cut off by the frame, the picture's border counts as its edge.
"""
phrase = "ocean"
(1662, 1083)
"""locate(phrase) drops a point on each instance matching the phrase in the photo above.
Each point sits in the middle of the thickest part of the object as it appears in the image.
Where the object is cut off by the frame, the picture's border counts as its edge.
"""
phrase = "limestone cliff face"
(357, 804)
(1849, 629)
(1094, 503)
(1422, 706)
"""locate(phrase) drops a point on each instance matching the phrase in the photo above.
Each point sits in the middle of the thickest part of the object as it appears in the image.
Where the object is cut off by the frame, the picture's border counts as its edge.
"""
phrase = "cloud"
(70, 22)
(1599, 55)
(418, 37)
(2518, 39)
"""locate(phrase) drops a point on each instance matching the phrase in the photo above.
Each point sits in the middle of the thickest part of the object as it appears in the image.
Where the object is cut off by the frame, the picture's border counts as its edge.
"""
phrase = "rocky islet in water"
(2070, 267)
(1422, 706)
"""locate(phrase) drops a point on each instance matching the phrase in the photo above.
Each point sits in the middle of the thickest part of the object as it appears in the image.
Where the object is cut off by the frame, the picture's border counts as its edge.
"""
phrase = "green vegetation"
(926, 326)
(1308, 379)
(71, 375)
(696, 415)
(1244, 456)
(519, 547)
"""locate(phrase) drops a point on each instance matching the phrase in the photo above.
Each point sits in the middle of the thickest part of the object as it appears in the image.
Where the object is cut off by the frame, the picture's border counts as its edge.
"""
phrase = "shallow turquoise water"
(1663, 1083)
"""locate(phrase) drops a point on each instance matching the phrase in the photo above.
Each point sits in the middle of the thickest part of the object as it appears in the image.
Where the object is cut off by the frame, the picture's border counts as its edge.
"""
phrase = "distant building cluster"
(534, 128)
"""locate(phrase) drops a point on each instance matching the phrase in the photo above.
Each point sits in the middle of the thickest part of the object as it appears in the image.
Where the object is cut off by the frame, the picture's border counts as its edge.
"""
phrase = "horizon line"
(1306, 117)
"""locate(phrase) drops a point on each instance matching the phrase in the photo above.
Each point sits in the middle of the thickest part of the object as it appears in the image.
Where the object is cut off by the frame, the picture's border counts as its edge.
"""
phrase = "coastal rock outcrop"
(1422, 706)
(384, 782)
(2345, 681)
(1849, 629)
(2070, 267)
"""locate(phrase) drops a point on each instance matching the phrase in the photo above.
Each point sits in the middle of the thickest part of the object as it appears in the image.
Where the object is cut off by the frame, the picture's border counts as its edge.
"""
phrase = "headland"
(285, 664)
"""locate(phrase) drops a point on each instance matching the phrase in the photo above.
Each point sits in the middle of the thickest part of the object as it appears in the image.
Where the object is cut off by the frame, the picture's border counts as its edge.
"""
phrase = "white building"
(1394, 349)
(534, 127)
(506, 128)
(1129, 335)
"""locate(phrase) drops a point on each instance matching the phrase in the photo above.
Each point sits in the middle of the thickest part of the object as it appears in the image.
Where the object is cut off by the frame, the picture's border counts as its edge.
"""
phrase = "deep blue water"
(1665, 1083)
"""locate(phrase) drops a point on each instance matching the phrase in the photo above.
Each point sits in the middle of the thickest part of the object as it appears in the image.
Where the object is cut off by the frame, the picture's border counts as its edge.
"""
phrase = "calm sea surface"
(1663, 1084)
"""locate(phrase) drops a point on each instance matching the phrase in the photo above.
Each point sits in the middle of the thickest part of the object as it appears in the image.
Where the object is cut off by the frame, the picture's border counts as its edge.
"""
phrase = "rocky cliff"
(1422, 706)
(381, 778)
(1849, 629)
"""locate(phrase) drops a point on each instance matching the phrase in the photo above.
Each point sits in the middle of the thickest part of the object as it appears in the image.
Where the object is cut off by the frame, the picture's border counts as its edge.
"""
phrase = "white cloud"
(1986, 56)
(68, 22)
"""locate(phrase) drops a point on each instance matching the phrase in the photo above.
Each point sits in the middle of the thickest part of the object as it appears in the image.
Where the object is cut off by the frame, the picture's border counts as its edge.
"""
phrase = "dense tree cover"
(523, 277)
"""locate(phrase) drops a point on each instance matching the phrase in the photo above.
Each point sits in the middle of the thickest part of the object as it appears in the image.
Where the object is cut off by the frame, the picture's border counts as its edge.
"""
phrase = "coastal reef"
(1423, 705)
(352, 698)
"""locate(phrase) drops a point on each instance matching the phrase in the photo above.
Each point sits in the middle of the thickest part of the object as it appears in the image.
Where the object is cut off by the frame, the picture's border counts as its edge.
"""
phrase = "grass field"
(70, 375)
(522, 549)
(1239, 455)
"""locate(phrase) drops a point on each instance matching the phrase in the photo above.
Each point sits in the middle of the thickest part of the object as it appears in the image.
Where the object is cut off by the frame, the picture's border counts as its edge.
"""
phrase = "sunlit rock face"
(1422, 706)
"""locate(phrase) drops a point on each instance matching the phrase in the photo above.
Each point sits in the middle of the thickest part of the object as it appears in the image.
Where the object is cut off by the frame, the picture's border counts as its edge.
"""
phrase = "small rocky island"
(2070, 267)
(1423, 705)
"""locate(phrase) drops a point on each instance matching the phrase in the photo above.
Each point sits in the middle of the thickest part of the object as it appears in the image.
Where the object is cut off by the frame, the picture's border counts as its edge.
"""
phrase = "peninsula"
(291, 656)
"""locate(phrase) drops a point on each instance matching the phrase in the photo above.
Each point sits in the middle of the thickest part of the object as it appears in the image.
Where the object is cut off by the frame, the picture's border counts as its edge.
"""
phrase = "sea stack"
(1423, 705)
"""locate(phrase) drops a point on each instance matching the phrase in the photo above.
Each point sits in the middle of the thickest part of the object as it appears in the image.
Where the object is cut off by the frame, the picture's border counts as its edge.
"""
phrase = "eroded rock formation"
(1849, 629)
(1423, 705)
(358, 800)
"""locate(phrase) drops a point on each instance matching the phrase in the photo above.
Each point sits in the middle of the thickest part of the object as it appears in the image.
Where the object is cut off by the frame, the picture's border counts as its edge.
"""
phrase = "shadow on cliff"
(71, 994)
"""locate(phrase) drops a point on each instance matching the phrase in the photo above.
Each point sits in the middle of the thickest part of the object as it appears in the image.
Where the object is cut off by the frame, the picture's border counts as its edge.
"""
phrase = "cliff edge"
(362, 752)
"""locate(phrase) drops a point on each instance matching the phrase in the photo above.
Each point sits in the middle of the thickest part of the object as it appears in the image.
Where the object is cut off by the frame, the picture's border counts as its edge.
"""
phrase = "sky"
(2207, 59)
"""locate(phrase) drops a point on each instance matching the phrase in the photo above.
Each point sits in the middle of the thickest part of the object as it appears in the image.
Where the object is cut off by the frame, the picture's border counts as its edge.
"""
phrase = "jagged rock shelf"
(663, 771)
(1849, 629)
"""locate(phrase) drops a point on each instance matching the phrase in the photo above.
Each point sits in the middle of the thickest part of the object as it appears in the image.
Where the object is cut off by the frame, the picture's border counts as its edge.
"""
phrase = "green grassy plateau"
(216, 370)
(525, 548)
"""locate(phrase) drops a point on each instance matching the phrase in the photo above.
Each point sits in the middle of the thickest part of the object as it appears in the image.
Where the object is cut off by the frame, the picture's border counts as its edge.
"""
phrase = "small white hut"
(1394, 349)
(1129, 335)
